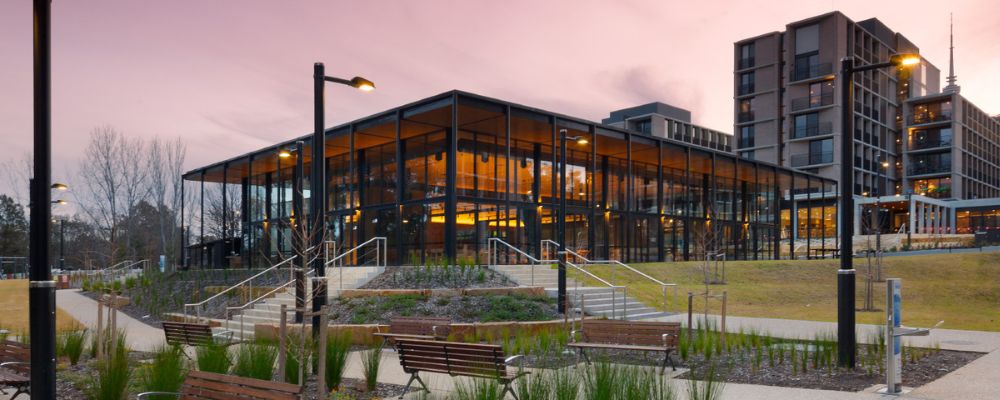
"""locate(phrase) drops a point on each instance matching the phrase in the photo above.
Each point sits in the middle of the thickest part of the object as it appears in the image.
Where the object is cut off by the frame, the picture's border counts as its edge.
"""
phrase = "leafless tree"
(18, 172)
(134, 176)
(165, 166)
(101, 183)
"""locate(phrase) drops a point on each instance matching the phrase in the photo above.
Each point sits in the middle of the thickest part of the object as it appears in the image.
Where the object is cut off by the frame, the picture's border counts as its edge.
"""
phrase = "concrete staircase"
(597, 301)
(269, 310)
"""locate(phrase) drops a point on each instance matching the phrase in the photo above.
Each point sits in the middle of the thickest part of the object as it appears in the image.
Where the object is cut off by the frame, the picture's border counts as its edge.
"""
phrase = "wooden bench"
(15, 367)
(429, 328)
(192, 334)
(627, 335)
(212, 386)
(456, 359)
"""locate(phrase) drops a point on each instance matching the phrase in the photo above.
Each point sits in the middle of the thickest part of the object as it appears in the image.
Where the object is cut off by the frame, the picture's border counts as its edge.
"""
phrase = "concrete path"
(139, 336)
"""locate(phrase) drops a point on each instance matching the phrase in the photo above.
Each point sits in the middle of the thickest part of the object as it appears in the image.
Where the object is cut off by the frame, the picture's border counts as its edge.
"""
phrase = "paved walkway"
(139, 336)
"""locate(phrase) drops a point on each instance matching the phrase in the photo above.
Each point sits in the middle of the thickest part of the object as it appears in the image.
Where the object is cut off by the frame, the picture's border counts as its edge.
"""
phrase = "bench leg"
(667, 359)
(20, 390)
(584, 354)
(508, 389)
(414, 377)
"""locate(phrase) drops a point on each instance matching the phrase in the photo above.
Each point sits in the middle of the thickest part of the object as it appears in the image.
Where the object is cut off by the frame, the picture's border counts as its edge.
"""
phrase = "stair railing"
(246, 282)
(493, 246)
(616, 263)
(614, 290)
(381, 255)
(242, 308)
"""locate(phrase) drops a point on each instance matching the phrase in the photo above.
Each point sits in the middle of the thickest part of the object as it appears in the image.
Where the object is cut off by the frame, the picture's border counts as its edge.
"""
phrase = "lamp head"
(60, 187)
(904, 59)
(59, 202)
(582, 141)
(283, 153)
(362, 84)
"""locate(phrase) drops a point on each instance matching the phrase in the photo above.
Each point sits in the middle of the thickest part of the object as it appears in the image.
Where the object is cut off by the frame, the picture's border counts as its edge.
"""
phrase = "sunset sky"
(230, 76)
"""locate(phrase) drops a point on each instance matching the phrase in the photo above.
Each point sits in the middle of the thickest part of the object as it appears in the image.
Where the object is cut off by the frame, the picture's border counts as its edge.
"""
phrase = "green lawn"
(961, 289)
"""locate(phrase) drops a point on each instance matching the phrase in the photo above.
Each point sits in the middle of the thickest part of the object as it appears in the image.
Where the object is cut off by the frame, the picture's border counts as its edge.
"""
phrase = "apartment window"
(929, 164)
(806, 66)
(931, 112)
(644, 126)
(807, 39)
(821, 93)
(747, 83)
(746, 56)
(821, 151)
(747, 155)
(746, 136)
(746, 110)
(929, 138)
(806, 125)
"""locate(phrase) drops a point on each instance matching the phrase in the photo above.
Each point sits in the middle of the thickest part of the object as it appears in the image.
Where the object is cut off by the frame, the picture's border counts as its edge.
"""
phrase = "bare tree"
(18, 173)
(101, 184)
(165, 166)
(134, 177)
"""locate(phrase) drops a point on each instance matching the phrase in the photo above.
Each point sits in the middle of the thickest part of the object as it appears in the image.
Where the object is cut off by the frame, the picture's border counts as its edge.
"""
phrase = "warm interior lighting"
(60, 186)
(904, 60)
(284, 154)
(885, 164)
(362, 84)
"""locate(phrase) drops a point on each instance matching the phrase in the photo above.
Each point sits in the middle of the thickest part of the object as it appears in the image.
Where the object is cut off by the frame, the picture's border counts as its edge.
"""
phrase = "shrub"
(536, 386)
(338, 346)
(113, 374)
(478, 389)
(295, 355)
(166, 372)
(600, 381)
(73, 343)
(371, 359)
(565, 384)
(213, 357)
(255, 360)
(709, 387)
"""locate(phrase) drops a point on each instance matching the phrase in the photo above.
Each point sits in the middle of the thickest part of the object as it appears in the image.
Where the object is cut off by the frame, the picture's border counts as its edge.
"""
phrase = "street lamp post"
(846, 324)
(561, 225)
(41, 288)
(317, 226)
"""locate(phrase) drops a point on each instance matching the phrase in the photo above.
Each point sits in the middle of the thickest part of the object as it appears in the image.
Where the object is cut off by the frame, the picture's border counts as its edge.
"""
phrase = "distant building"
(929, 157)
(666, 121)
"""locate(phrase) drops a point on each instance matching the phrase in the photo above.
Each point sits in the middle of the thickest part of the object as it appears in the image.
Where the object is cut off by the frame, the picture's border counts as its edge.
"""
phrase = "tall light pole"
(317, 227)
(41, 288)
(298, 239)
(846, 324)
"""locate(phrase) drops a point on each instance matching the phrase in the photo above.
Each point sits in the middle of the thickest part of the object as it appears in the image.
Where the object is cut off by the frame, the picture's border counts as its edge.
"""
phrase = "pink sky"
(230, 76)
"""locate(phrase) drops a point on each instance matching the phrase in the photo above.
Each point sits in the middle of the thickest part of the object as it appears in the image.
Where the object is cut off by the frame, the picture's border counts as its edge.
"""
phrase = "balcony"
(927, 118)
(806, 71)
(745, 116)
(929, 143)
(746, 88)
(745, 63)
(802, 160)
(928, 169)
(805, 103)
(820, 129)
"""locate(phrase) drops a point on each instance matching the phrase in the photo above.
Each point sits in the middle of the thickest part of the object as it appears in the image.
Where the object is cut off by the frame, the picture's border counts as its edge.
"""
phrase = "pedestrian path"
(139, 335)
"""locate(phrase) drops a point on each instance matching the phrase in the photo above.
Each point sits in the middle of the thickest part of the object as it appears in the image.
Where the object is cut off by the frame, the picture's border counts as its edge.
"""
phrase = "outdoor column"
(920, 217)
(952, 220)
(857, 218)
(913, 217)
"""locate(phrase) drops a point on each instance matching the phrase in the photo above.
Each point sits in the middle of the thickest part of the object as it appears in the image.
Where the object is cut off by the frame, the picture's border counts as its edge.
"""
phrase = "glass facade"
(439, 177)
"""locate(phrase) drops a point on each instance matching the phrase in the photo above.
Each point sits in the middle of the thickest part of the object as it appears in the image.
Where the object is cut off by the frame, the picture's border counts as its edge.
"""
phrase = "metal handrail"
(258, 299)
(201, 303)
(493, 259)
(662, 284)
(614, 291)
(381, 254)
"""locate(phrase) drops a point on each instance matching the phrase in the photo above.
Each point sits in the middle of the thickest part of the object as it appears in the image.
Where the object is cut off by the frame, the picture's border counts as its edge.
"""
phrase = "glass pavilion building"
(440, 176)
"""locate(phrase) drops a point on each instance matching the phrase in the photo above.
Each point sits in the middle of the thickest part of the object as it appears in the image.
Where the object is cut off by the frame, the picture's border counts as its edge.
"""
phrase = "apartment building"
(787, 98)
(667, 121)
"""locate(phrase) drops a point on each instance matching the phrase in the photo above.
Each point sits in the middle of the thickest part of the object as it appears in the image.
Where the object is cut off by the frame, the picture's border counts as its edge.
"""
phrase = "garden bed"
(379, 310)
(438, 277)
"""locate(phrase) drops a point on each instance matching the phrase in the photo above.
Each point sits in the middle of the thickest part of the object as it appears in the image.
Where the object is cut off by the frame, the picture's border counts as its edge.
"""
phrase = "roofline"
(456, 92)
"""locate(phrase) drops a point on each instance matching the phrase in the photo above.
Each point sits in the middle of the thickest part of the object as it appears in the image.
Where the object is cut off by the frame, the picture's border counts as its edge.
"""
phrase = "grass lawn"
(14, 305)
(961, 289)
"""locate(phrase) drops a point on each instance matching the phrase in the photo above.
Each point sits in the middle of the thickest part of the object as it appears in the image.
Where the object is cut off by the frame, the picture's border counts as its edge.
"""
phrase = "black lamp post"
(846, 324)
(41, 288)
(317, 198)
